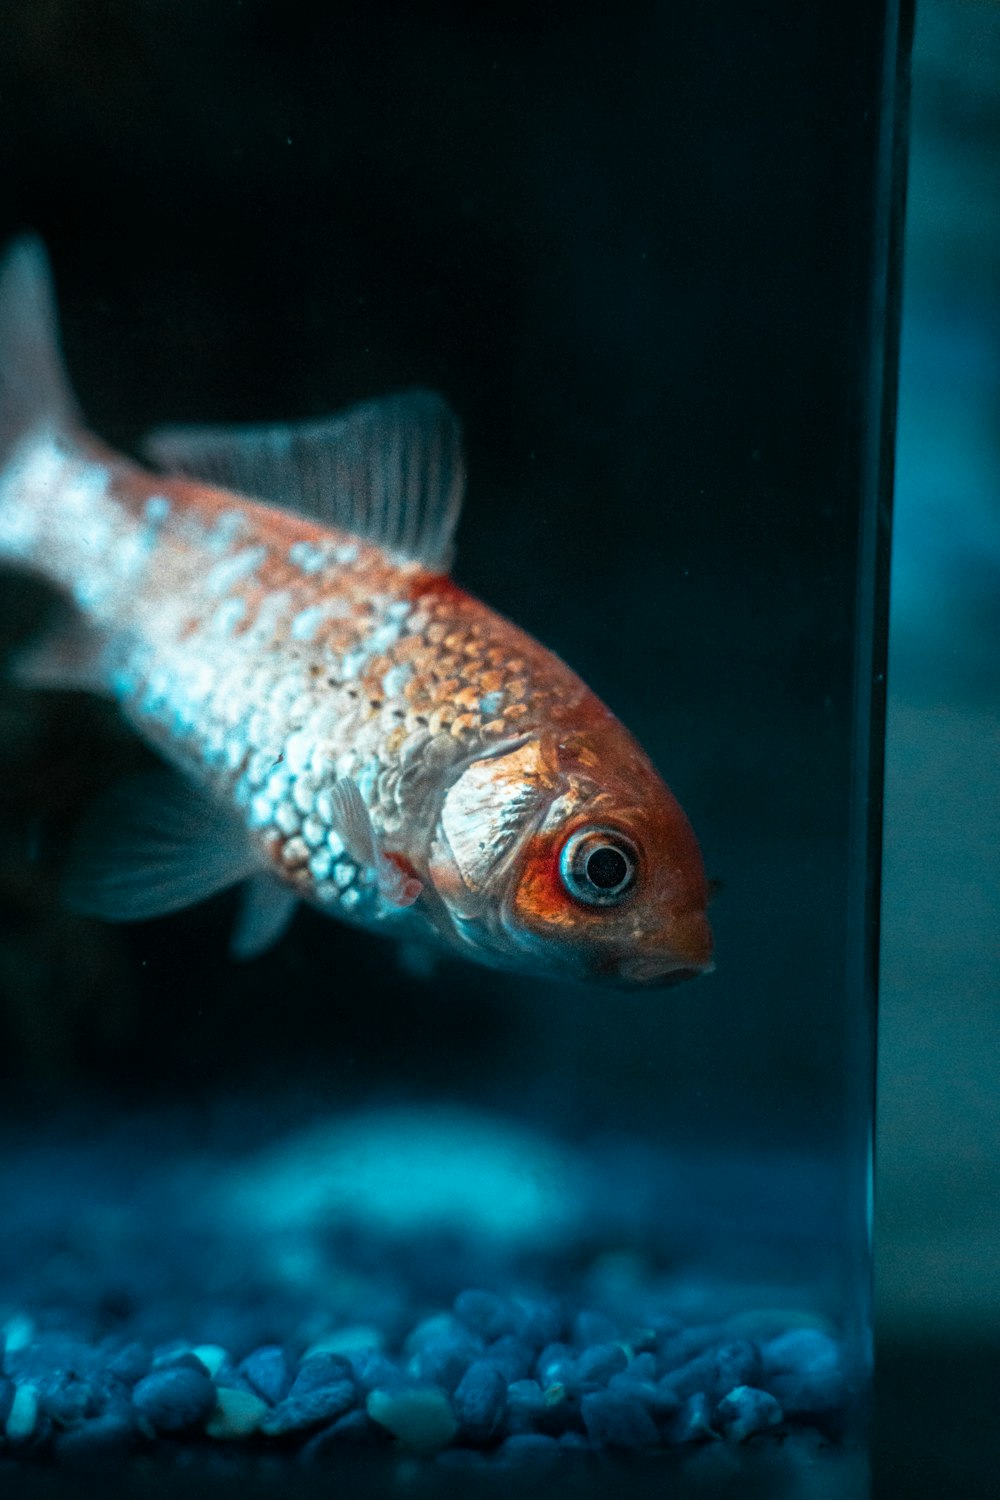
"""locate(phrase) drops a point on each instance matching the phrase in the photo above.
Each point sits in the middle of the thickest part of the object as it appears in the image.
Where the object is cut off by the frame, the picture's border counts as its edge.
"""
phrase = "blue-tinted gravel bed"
(214, 1306)
(491, 1380)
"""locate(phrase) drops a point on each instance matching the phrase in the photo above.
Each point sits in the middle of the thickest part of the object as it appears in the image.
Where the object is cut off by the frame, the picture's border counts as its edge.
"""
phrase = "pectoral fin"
(154, 844)
(268, 907)
(68, 653)
(418, 960)
(353, 822)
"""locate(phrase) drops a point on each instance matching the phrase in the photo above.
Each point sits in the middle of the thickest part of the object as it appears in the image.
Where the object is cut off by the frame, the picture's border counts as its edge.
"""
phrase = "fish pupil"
(598, 866)
(607, 868)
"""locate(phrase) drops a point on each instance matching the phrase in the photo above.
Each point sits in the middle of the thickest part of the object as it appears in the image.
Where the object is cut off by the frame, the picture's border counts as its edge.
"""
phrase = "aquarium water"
(403, 1091)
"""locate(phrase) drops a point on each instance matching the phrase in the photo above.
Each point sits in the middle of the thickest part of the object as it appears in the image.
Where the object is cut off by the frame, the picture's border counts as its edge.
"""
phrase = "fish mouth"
(649, 972)
(683, 952)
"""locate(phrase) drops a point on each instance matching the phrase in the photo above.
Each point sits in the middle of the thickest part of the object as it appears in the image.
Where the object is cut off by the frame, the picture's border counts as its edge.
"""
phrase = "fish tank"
(421, 1072)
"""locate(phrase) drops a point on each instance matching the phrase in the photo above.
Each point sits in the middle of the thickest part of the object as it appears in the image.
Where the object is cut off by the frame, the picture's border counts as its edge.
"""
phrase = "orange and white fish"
(345, 726)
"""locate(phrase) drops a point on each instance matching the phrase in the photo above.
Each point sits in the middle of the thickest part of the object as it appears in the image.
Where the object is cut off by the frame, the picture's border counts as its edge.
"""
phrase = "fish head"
(566, 854)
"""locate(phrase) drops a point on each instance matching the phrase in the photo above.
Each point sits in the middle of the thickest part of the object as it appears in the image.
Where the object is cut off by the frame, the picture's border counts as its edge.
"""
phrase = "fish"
(338, 722)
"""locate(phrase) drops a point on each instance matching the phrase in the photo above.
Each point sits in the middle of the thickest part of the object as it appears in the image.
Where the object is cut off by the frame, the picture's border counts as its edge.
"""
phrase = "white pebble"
(212, 1356)
(347, 1340)
(421, 1417)
(23, 1414)
(238, 1414)
(747, 1411)
(18, 1332)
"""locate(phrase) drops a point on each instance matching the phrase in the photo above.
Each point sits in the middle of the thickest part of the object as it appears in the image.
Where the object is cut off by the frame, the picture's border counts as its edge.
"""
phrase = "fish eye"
(598, 865)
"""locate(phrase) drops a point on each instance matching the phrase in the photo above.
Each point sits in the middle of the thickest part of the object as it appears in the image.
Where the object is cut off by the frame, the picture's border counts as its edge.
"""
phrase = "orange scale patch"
(410, 647)
(417, 689)
(395, 739)
(442, 718)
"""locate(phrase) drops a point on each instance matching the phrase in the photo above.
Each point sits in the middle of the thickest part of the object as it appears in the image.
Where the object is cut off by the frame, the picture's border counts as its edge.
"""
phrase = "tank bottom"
(428, 1301)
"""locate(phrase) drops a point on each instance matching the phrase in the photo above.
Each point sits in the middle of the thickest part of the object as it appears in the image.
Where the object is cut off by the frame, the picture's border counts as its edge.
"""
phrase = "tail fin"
(33, 385)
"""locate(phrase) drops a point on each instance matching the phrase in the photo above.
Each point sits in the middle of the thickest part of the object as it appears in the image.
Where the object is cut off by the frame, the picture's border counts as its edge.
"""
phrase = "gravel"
(595, 1366)
(746, 1411)
(479, 1400)
(511, 1356)
(175, 1399)
(297, 1414)
(319, 1372)
(268, 1371)
(420, 1416)
(237, 1414)
(526, 1406)
(618, 1419)
(154, 1333)
(23, 1415)
(485, 1313)
(458, 1380)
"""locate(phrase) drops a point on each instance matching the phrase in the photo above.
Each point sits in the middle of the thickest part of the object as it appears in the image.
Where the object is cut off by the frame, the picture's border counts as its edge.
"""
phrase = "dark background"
(635, 254)
(636, 257)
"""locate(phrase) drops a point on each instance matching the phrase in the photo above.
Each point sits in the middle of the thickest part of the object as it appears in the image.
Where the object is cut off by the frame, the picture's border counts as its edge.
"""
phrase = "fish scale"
(274, 614)
(236, 704)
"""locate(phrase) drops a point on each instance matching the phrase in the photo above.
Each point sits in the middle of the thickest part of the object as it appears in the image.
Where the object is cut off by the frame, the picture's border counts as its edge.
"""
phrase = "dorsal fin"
(390, 470)
(33, 385)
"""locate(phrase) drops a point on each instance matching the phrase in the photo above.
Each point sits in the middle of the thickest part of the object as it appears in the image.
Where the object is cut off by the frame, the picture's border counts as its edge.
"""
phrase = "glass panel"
(489, 1207)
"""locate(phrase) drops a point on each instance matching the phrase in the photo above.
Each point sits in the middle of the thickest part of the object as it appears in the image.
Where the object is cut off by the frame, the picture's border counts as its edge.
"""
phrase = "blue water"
(342, 1200)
